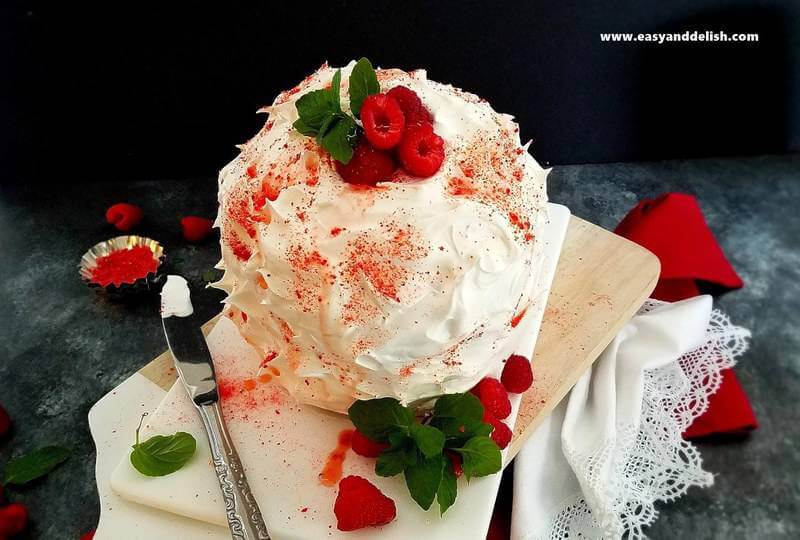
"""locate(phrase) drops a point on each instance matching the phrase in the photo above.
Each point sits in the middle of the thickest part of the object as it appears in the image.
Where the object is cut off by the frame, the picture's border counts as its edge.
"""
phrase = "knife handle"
(241, 509)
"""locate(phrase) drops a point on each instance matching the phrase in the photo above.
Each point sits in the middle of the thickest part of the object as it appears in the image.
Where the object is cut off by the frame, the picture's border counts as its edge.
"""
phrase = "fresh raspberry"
(13, 519)
(368, 166)
(366, 447)
(88, 535)
(494, 397)
(414, 111)
(383, 121)
(455, 462)
(360, 504)
(517, 374)
(501, 434)
(195, 228)
(124, 216)
(5, 421)
(421, 151)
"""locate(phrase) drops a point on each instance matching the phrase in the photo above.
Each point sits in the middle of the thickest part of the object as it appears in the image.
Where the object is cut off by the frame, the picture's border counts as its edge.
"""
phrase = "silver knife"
(196, 371)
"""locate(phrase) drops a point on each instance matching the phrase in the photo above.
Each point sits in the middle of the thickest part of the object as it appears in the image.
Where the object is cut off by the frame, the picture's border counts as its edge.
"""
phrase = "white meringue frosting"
(410, 289)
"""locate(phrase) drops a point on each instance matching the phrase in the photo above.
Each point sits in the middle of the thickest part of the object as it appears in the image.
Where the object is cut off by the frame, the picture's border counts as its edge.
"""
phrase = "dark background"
(129, 91)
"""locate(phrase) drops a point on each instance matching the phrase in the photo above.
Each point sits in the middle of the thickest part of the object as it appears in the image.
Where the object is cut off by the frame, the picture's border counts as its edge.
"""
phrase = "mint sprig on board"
(321, 116)
(162, 454)
(418, 449)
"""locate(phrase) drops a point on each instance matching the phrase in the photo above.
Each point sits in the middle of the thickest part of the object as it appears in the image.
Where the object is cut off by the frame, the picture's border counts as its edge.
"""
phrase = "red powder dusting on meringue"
(517, 222)
(286, 330)
(239, 249)
(336, 231)
(238, 209)
(384, 264)
(459, 187)
(262, 282)
(269, 358)
(494, 168)
(310, 277)
(252, 171)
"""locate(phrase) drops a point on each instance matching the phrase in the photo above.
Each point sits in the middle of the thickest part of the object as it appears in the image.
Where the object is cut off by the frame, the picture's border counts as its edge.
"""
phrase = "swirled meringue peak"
(409, 289)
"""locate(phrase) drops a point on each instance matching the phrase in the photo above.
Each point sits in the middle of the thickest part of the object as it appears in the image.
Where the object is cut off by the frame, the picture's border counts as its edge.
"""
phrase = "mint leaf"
(459, 416)
(336, 84)
(339, 138)
(162, 454)
(482, 429)
(315, 107)
(34, 464)
(423, 480)
(448, 490)
(304, 128)
(325, 127)
(480, 457)
(390, 462)
(397, 439)
(429, 440)
(363, 82)
(376, 419)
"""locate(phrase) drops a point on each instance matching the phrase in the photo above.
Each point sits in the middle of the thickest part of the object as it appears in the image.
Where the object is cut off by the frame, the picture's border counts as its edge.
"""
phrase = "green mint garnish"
(428, 439)
(339, 138)
(34, 464)
(317, 107)
(321, 116)
(423, 480)
(418, 449)
(161, 455)
(363, 83)
(480, 456)
(448, 489)
(377, 419)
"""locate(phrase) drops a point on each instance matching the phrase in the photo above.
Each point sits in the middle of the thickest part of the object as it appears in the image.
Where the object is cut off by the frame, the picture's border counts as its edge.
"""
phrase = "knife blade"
(196, 372)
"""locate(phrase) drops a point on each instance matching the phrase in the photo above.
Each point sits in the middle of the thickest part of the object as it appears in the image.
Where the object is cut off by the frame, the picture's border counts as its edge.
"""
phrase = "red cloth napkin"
(673, 228)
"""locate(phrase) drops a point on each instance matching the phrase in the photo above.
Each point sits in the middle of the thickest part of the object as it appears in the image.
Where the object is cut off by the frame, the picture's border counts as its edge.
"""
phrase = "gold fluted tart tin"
(119, 243)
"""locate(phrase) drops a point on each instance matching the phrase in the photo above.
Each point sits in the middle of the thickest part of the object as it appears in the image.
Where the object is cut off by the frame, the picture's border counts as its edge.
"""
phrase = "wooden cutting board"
(601, 281)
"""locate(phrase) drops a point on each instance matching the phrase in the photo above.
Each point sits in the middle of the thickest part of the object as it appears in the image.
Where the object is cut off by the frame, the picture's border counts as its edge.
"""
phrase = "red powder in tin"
(124, 266)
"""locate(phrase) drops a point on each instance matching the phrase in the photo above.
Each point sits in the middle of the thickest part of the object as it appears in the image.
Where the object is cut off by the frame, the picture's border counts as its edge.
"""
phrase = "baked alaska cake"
(380, 237)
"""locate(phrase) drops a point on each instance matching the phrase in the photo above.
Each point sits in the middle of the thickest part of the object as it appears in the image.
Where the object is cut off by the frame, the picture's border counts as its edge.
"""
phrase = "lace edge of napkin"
(651, 462)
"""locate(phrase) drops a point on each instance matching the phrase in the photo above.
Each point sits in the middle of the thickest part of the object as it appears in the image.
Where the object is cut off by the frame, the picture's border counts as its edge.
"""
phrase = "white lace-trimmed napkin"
(613, 446)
